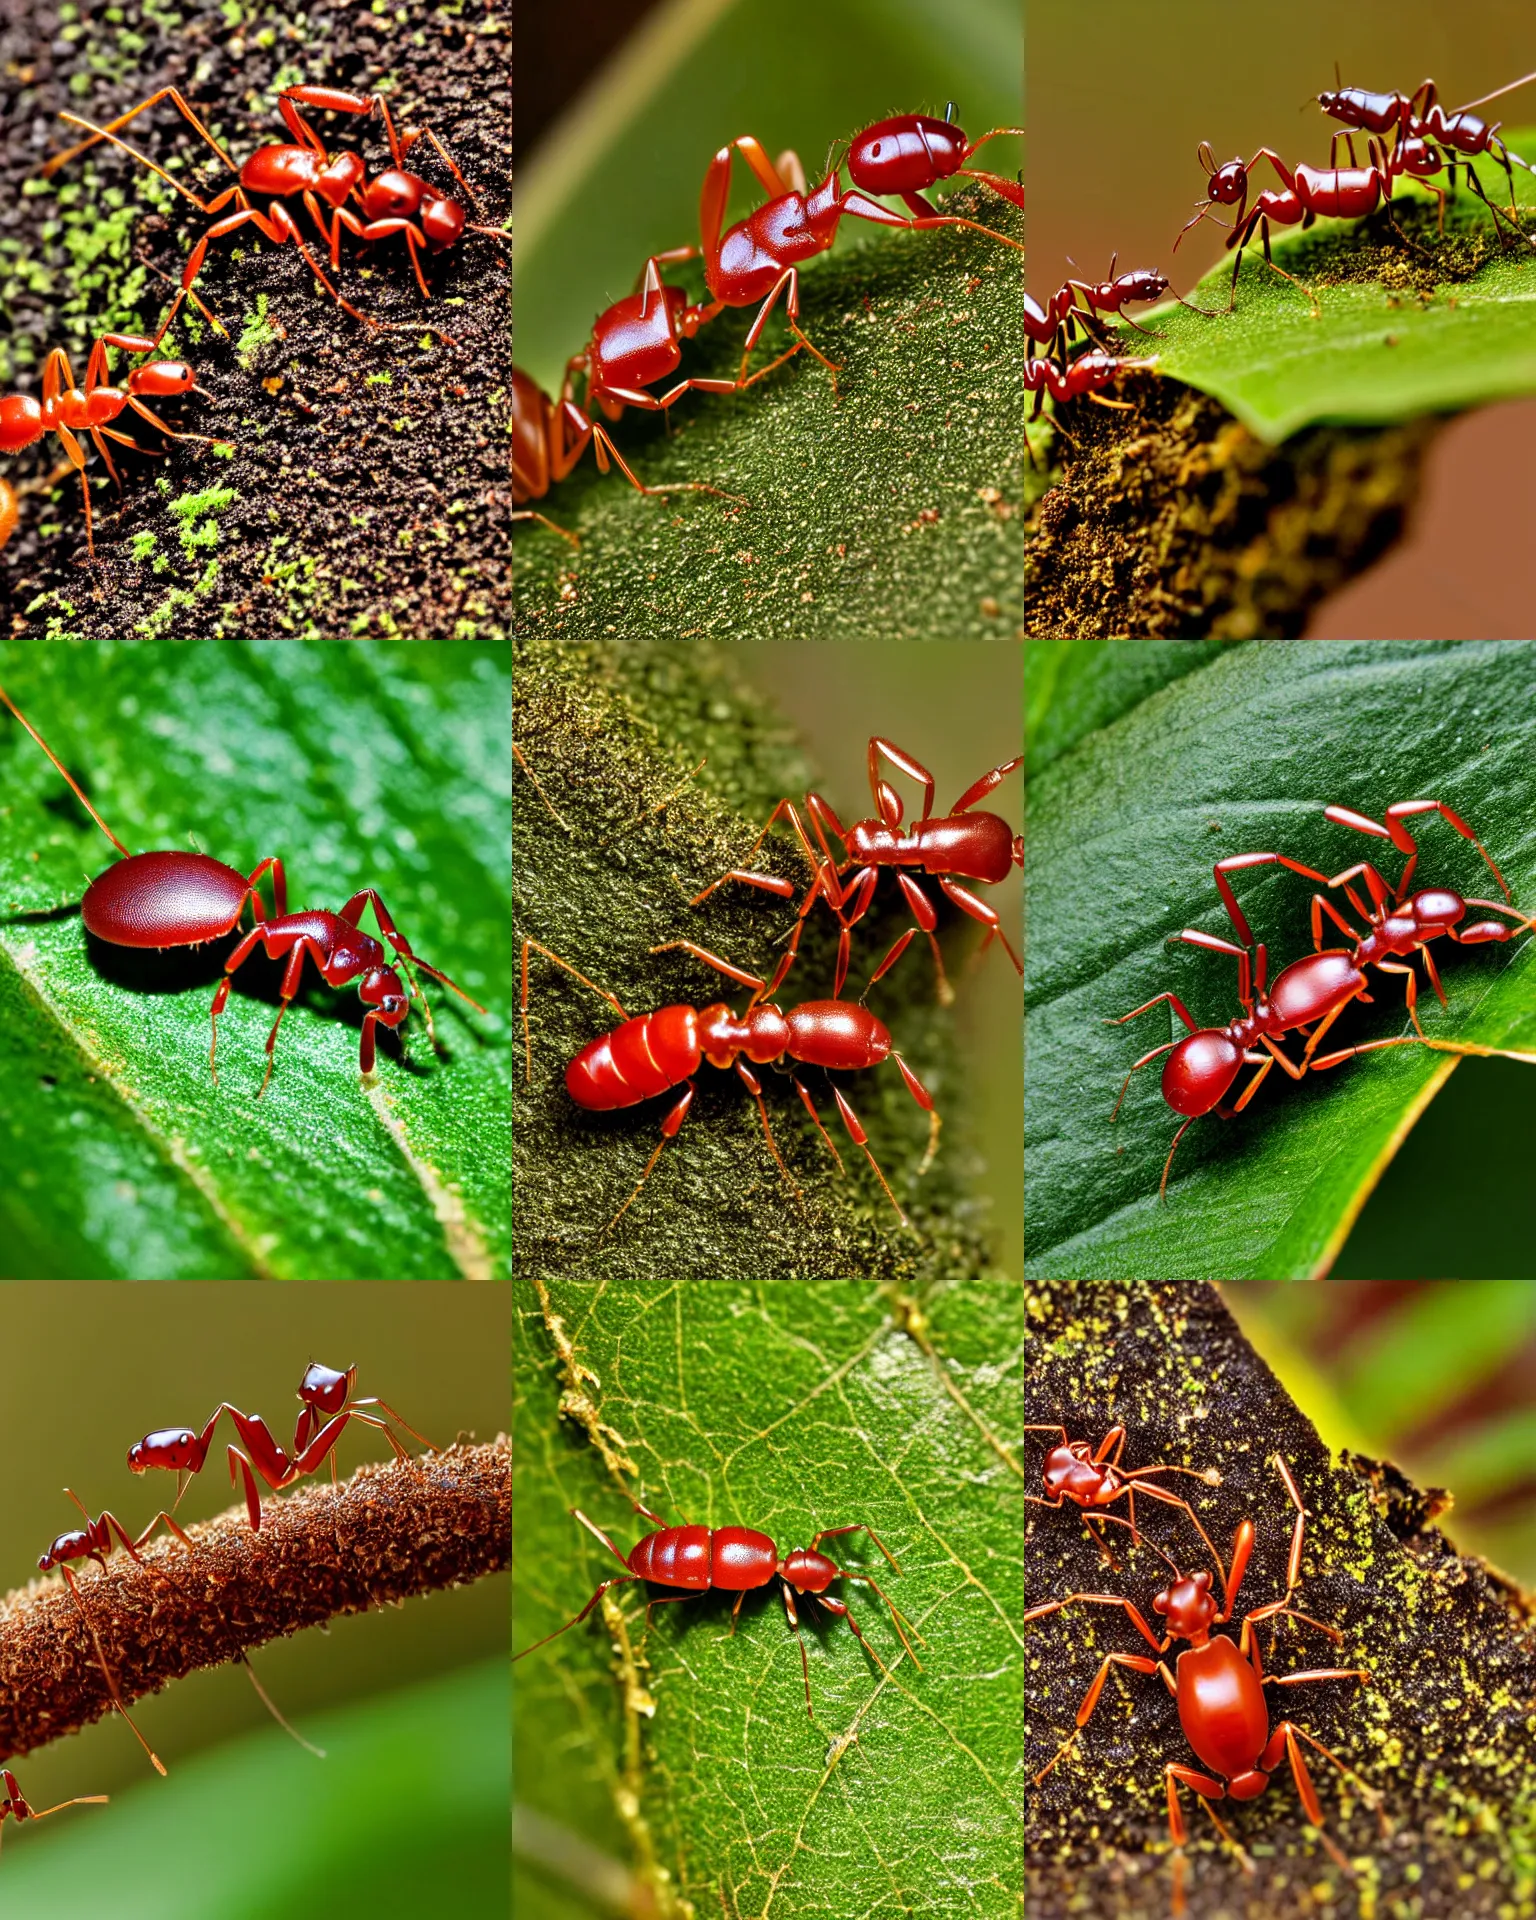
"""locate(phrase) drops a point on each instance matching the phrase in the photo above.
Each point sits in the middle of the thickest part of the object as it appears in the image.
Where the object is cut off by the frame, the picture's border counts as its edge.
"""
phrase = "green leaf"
(890, 508)
(786, 1410)
(381, 765)
(1432, 327)
(250, 1830)
(1124, 828)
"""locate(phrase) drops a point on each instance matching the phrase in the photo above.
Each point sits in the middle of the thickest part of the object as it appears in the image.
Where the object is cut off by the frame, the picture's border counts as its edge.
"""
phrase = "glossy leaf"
(1378, 353)
(1123, 830)
(384, 765)
(785, 1409)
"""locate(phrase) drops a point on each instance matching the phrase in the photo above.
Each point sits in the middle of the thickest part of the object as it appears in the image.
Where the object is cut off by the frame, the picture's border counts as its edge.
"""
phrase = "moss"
(1445, 1733)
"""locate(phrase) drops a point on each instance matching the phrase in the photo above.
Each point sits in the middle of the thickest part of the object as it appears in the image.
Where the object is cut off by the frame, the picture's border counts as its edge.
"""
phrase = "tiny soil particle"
(1171, 520)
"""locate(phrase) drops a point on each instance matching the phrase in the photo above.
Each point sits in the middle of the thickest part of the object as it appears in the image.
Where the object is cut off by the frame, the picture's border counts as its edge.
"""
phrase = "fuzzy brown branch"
(390, 1531)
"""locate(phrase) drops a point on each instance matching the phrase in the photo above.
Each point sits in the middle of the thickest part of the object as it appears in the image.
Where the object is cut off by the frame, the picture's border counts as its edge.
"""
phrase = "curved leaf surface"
(1378, 352)
(1123, 831)
(786, 1409)
(382, 765)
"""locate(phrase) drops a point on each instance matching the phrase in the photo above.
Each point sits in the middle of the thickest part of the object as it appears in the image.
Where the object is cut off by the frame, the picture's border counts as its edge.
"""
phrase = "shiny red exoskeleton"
(1313, 992)
(736, 1560)
(655, 1052)
(1080, 305)
(904, 156)
(1421, 124)
(634, 343)
(14, 1803)
(961, 844)
(1086, 376)
(328, 1406)
(173, 899)
(1092, 1478)
(760, 257)
(94, 1541)
(1220, 1691)
(73, 412)
(335, 191)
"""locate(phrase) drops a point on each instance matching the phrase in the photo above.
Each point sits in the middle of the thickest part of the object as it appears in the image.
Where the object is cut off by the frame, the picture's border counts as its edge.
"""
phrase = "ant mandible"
(68, 411)
(973, 845)
(1316, 989)
(760, 257)
(736, 1560)
(393, 202)
(95, 1541)
(328, 1406)
(14, 1803)
(1092, 1479)
(172, 899)
(655, 1052)
(1220, 1692)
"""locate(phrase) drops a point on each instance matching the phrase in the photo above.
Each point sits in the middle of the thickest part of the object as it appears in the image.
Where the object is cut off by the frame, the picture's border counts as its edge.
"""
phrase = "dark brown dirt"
(368, 494)
(1173, 521)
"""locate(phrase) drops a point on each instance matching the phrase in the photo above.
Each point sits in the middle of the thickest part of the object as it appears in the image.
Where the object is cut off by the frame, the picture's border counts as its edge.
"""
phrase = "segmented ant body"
(634, 343)
(395, 203)
(70, 411)
(1219, 1689)
(1088, 375)
(961, 844)
(656, 1052)
(1418, 120)
(1314, 991)
(903, 157)
(173, 899)
(736, 1560)
(328, 1407)
(14, 1803)
(1079, 305)
(760, 257)
(1092, 1479)
(94, 1541)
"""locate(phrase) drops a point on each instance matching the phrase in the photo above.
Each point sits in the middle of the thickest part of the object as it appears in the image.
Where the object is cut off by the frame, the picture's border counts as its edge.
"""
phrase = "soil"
(368, 493)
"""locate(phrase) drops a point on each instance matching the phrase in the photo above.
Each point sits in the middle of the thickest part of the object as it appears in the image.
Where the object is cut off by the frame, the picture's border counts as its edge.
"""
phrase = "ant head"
(384, 993)
(808, 1572)
(1187, 1606)
(442, 221)
(394, 195)
(323, 1388)
(1199, 1071)
(1229, 183)
(1436, 909)
(1069, 1471)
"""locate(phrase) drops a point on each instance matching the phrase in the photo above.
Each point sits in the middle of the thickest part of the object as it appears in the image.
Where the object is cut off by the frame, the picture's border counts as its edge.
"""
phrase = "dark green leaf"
(787, 1410)
(1123, 831)
(384, 765)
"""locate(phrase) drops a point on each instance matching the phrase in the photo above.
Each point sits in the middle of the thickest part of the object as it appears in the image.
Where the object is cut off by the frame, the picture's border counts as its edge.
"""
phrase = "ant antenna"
(63, 770)
(271, 1707)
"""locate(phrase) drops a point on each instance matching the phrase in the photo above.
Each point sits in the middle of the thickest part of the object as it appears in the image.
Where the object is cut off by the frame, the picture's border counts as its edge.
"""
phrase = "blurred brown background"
(1117, 100)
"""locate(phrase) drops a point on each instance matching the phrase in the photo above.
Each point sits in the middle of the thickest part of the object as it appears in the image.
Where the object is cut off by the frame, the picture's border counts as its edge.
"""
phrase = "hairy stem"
(390, 1531)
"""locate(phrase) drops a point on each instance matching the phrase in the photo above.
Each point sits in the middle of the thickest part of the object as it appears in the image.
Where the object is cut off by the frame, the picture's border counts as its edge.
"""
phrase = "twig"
(410, 1527)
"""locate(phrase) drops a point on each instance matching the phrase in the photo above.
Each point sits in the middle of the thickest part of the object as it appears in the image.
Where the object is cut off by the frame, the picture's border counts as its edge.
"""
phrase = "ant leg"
(1405, 809)
(292, 974)
(988, 783)
(865, 1579)
(810, 1106)
(1284, 1745)
(606, 450)
(550, 954)
(1173, 1000)
(753, 1086)
(861, 1140)
(1167, 1047)
(108, 132)
(1162, 1185)
(106, 1672)
(1235, 863)
(669, 1128)
(1369, 1046)
(617, 1581)
(925, 1100)
(967, 902)
(738, 974)
(786, 889)
(1207, 1790)
(527, 513)
(794, 1621)
(1137, 1662)
(1049, 1607)
(1367, 1792)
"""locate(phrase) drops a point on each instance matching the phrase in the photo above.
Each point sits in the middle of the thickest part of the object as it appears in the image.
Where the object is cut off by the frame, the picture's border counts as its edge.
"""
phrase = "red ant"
(68, 410)
(735, 1560)
(760, 257)
(184, 899)
(633, 344)
(1220, 1692)
(1077, 304)
(328, 1406)
(94, 1541)
(1092, 1479)
(393, 202)
(10, 506)
(13, 1802)
(1088, 374)
(1419, 120)
(901, 157)
(979, 846)
(656, 1052)
(1202, 1066)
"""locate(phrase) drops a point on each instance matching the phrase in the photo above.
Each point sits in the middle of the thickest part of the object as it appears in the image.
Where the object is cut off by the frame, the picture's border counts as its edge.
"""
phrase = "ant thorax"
(873, 841)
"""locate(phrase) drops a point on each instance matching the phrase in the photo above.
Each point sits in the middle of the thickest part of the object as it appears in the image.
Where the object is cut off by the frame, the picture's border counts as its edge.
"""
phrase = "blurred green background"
(618, 175)
(958, 707)
(411, 1702)
(1438, 1376)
